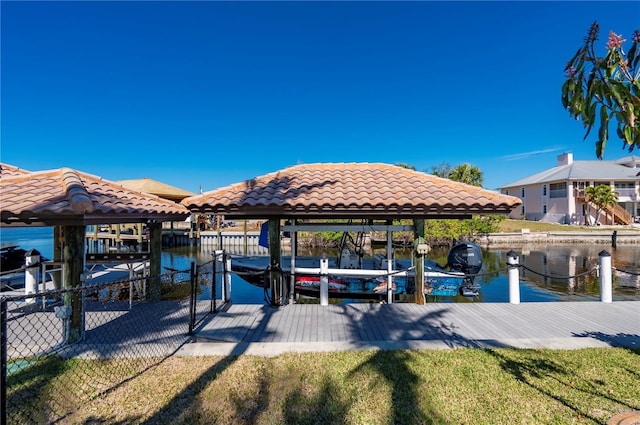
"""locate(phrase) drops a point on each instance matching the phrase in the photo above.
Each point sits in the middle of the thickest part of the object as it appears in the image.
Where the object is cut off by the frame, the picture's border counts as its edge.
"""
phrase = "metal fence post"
(214, 276)
(514, 277)
(606, 291)
(192, 298)
(3, 361)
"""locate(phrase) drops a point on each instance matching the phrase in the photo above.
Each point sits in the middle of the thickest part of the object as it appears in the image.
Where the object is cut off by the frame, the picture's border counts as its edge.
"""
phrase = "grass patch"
(42, 389)
(461, 386)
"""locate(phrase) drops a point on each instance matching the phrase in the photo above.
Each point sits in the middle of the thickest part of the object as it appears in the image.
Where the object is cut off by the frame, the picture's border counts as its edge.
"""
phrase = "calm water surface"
(549, 265)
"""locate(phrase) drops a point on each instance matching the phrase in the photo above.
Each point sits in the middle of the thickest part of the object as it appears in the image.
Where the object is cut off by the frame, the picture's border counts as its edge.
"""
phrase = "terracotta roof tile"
(7, 170)
(69, 196)
(349, 190)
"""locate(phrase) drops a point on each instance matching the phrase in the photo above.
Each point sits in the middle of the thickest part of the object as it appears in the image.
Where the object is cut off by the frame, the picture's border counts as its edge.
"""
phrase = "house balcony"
(627, 195)
(624, 195)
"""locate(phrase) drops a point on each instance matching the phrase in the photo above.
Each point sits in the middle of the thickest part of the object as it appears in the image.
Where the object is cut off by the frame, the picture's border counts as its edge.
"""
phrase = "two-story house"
(558, 194)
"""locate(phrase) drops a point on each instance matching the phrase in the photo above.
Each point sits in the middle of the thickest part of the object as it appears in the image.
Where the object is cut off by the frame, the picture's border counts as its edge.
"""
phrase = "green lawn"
(460, 386)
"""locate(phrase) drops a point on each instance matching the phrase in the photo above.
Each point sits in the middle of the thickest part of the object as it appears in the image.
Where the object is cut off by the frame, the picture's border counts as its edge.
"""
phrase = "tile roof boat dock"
(64, 195)
(346, 190)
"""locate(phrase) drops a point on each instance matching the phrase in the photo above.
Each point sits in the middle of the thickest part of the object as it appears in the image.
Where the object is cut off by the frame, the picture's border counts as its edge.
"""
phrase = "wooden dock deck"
(264, 330)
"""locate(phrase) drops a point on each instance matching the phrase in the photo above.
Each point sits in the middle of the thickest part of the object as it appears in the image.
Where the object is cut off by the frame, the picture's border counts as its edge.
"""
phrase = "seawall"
(620, 237)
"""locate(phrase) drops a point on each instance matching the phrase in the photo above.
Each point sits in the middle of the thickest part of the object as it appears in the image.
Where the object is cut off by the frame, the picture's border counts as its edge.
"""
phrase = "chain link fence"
(63, 349)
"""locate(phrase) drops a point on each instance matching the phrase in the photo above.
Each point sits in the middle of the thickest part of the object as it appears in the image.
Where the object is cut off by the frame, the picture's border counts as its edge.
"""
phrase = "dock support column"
(606, 291)
(294, 252)
(390, 267)
(155, 257)
(418, 238)
(244, 231)
(31, 274)
(57, 256)
(275, 277)
(514, 277)
(73, 254)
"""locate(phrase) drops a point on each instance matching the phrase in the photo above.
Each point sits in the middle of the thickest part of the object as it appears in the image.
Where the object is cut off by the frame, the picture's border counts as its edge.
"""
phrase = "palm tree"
(602, 196)
(466, 173)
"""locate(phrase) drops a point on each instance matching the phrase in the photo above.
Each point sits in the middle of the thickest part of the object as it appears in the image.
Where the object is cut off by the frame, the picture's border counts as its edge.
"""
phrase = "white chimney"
(565, 159)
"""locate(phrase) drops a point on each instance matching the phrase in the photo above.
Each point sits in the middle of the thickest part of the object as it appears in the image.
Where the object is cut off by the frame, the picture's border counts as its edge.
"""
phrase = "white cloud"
(525, 155)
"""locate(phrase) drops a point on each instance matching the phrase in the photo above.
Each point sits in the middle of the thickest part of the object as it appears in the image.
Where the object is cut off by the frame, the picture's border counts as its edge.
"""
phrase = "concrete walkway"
(267, 331)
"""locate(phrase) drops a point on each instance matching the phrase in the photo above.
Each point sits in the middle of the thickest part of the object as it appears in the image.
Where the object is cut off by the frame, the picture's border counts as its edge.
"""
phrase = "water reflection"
(551, 273)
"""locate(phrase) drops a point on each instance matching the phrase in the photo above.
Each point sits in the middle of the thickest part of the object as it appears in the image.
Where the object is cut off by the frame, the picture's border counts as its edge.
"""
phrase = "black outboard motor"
(466, 257)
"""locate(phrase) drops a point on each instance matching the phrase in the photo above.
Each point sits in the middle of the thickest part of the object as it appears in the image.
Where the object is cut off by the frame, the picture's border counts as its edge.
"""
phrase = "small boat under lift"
(352, 275)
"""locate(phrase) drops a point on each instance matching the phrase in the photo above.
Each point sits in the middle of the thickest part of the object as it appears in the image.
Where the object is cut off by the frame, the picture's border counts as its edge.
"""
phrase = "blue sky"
(206, 94)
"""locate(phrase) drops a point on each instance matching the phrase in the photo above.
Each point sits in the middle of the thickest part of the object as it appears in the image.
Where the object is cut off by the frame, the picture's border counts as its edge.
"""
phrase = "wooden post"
(73, 253)
(140, 237)
(118, 237)
(57, 256)
(390, 267)
(155, 255)
(245, 238)
(275, 278)
(294, 254)
(418, 238)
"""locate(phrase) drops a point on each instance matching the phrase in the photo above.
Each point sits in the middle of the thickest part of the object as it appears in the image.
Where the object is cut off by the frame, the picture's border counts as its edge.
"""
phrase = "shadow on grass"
(27, 397)
(533, 368)
(325, 408)
(378, 323)
(249, 409)
(405, 402)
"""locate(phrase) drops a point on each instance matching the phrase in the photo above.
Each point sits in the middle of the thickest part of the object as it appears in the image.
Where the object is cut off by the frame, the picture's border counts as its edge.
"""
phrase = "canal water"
(543, 278)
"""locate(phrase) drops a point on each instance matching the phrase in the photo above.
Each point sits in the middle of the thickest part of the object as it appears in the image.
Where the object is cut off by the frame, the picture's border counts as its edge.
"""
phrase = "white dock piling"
(514, 277)
(31, 280)
(324, 281)
(606, 291)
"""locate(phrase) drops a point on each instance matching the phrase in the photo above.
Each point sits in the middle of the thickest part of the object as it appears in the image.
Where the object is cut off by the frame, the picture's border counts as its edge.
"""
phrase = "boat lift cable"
(595, 269)
(632, 273)
(23, 268)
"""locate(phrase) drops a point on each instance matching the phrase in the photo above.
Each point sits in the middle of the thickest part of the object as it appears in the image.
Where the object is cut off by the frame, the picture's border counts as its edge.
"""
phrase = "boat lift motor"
(466, 257)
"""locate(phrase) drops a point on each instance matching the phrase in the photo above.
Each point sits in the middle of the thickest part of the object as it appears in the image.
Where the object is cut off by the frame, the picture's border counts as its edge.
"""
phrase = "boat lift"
(387, 268)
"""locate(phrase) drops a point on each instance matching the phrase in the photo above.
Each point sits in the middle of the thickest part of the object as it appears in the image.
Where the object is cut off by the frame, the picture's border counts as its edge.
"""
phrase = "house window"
(544, 209)
(522, 192)
(506, 192)
(544, 190)
(522, 210)
(558, 190)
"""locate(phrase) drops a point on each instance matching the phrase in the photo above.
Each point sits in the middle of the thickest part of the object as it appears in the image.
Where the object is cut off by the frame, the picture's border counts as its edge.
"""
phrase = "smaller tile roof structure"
(66, 196)
(155, 187)
(350, 190)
